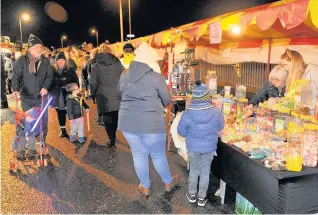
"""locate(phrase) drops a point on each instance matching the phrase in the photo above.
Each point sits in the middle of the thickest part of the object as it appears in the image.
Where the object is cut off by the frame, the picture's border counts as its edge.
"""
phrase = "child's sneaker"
(72, 139)
(218, 193)
(191, 197)
(81, 140)
(201, 202)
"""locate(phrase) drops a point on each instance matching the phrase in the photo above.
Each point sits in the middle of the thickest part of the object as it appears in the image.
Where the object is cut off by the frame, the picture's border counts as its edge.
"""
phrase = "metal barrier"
(252, 76)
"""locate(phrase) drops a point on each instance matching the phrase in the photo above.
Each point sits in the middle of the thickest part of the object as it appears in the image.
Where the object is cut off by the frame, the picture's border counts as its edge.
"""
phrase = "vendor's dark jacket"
(74, 108)
(60, 82)
(105, 75)
(268, 91)
(30, 84)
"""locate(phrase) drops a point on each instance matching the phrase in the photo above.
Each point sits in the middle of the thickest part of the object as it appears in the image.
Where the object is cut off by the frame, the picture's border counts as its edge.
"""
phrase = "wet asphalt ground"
(92, 179)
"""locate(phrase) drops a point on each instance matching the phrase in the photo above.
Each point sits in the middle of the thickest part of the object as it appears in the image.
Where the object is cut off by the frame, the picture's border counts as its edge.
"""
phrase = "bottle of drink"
(211, 82)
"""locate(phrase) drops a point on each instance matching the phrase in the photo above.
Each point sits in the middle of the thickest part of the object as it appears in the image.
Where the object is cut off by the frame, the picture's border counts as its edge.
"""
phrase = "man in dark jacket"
(32, 78)
(105, 75)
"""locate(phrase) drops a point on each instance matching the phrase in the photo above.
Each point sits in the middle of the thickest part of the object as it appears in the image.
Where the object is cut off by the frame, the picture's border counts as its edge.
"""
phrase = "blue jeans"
(141, 146)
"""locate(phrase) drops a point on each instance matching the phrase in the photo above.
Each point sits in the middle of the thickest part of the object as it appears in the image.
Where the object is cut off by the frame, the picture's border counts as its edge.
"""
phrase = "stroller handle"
(41, 115)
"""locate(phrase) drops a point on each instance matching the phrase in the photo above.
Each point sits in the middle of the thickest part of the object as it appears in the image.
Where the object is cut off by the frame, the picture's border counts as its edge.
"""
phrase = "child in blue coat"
(200, 125)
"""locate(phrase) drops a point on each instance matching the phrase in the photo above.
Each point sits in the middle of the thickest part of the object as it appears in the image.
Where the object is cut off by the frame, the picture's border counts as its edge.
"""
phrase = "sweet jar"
(310, 145)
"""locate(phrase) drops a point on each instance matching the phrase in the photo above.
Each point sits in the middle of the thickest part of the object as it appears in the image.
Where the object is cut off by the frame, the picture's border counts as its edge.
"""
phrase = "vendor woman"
(273, 88)
(294, 64)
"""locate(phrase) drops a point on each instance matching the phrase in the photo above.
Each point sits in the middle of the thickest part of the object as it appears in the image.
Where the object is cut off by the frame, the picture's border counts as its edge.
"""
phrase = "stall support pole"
(268, 66)
(168, 117)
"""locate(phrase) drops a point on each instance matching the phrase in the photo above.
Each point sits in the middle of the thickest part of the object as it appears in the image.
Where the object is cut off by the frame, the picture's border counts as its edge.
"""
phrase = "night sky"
(148, 17)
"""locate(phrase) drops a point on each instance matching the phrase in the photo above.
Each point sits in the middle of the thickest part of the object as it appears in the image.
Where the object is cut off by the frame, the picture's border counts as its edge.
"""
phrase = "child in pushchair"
(24, 135)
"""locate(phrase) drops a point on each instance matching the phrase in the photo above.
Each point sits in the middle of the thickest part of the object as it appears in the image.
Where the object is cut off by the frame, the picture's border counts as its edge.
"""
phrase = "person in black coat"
(63, 75)
(85, 73)
(32, 78)
(105, 75)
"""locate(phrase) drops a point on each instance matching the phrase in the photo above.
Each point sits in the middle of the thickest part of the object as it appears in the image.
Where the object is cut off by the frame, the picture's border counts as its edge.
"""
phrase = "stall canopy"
(283, 23)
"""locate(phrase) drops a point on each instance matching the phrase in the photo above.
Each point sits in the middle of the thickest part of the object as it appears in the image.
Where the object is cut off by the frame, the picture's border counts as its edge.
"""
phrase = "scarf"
(33, 61)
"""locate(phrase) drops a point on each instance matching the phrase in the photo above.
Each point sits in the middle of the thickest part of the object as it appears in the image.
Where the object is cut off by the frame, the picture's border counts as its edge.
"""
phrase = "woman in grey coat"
(141, 116)
(105, 74)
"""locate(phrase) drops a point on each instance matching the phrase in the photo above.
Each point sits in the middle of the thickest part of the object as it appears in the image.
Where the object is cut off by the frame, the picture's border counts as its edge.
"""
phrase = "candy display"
(211, 81)
(281, 120)
(310, 145)
(228, 105)
(227, 90)
(281, 132)
(294, 153)
(217, 101)
(241, 105)
(295, 123)
(257, 153)
(240, 92)
(260, 120)
(270, 116)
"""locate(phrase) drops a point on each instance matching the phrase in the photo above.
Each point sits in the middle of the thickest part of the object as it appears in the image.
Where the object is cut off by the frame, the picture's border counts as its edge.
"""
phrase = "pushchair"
(29, 130)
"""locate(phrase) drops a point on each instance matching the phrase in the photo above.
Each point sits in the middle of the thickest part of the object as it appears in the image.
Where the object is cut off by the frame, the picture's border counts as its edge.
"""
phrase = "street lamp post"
(62, 39)
(94, 31)
(129, 17)
(121, 21)
(24, 17)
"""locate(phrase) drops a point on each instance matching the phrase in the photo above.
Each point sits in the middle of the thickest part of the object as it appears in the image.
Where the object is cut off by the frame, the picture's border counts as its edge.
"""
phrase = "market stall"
(277, 192)
(270, 158)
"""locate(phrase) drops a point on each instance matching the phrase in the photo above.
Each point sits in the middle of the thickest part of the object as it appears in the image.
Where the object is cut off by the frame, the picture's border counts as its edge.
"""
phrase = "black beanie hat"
(60, 55)
(128, 46)
(33, 40)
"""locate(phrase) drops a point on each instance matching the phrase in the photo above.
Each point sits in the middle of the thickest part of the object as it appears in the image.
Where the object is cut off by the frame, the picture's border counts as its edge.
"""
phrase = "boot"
(112, 143)
(81, 140)
(169, 187)
(63, 133)
(99, 119)
(144, 191)
(72, 139)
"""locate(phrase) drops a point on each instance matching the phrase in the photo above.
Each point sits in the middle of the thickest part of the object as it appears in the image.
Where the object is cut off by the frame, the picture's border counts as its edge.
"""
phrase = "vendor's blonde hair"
(280, 74)
(298, 66)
